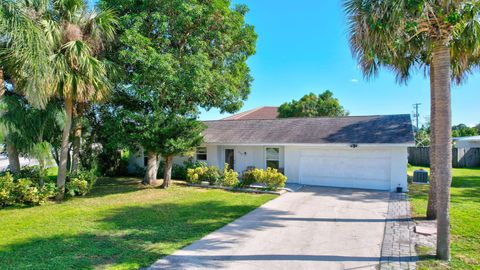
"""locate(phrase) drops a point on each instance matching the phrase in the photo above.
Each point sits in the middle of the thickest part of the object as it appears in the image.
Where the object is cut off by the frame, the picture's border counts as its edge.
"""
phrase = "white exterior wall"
(396, 157)
(467, 144)
(398, 167)
(244, 156)
(392, 158)
(138, 158)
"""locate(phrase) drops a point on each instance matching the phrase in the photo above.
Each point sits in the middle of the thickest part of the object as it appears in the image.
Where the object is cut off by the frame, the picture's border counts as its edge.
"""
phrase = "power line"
(416, 115)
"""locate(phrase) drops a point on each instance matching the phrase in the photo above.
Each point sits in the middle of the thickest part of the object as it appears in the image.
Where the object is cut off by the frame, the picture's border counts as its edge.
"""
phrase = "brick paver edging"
(398, 248)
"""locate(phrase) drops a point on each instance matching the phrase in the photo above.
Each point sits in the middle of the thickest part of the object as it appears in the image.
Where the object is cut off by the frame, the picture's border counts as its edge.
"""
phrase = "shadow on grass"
(109, 186)
(120, 185)
(466, 181)
(130, 237)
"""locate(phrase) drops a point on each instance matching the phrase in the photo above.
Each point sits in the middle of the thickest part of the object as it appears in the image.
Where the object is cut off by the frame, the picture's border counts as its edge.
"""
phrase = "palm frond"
(24, 52)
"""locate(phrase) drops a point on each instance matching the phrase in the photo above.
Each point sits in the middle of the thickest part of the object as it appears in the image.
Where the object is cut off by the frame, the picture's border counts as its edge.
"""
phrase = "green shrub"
(179, 172)
(80, 183)
(203, 173)
(229, 177)
(212, 175)
(271, 178)
(251, 177)
(24, 191)
(194, 174)
(88, 176)
(28, 192)
(77, 187)
(6, 190)
(32, 172)
(49, 190)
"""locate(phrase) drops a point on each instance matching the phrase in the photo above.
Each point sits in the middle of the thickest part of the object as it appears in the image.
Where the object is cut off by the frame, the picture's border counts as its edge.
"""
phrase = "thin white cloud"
(354, 81)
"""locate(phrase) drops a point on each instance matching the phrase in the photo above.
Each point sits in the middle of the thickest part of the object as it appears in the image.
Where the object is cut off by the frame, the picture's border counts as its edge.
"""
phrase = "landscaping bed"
(464, 216)
(253, 181)
(121, 224)
(240, 189)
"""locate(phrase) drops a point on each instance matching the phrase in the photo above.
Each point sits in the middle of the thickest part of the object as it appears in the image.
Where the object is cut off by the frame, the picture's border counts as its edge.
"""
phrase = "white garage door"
(353, 169)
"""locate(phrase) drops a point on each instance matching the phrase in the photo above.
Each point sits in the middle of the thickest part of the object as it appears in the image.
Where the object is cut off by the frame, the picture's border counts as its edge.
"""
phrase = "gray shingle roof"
(378, 129)
(265, 112)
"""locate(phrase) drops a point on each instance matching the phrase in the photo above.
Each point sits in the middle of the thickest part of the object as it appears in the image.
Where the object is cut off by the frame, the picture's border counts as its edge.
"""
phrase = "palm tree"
(77, 34)
(49, 49)
(23, 54)
(403, 35)
(26, 129)
(23, 60)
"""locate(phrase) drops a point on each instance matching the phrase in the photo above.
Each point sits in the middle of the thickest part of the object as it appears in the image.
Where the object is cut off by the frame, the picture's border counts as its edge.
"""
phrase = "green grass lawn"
(120, 225)
(464, 216)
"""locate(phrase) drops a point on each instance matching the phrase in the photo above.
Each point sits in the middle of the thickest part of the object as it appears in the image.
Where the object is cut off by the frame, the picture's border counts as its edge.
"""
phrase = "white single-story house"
(368, 152)
(467, 142)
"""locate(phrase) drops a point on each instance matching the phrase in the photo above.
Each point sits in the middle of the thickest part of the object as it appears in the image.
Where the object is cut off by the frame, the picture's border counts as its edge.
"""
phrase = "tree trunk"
(2, 84)
(152, 169)
(69, 157)
(77, 136)
(62, 169)
(432, 193)
(167, 172)
(442, 158)
(13, 159)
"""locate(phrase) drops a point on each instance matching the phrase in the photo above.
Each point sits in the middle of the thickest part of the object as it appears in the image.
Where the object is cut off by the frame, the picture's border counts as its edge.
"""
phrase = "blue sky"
(303, 47)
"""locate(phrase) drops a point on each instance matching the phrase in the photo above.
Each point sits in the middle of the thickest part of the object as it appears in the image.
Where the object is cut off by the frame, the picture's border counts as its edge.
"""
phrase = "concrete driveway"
(314, 228)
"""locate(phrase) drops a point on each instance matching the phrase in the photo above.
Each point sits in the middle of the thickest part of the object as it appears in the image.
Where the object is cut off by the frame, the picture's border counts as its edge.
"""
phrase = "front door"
(230, 158)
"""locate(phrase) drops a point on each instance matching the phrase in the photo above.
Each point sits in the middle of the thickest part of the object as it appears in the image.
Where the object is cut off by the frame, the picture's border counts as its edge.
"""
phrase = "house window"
(273, 157)
(201, 153)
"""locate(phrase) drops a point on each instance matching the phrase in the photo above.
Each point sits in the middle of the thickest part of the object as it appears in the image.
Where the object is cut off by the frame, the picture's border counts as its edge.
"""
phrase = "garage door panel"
(345, 170)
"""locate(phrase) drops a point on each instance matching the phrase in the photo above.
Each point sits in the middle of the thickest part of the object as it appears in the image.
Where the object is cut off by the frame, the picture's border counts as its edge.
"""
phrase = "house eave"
(317, 144)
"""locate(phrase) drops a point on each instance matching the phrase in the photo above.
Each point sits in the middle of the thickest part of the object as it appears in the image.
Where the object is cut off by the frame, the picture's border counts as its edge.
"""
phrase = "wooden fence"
(461, 157)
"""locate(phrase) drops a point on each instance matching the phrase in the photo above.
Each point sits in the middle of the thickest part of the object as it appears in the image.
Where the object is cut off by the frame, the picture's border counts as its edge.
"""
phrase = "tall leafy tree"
(178, 56)
(463, 130)
(312, 105)
(403, 35)
(180, 135)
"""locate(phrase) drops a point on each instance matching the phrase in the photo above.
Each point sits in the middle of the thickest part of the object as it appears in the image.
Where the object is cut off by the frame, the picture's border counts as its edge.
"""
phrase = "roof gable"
(257, 113)
(380, 129)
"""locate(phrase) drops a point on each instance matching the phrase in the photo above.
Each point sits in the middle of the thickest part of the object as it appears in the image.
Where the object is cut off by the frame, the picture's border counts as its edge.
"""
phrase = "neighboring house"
(467, 142)
(256, 114)
(358, 151)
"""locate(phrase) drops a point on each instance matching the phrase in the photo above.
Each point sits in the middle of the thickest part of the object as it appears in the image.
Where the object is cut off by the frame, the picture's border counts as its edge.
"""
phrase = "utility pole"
(416, 114)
